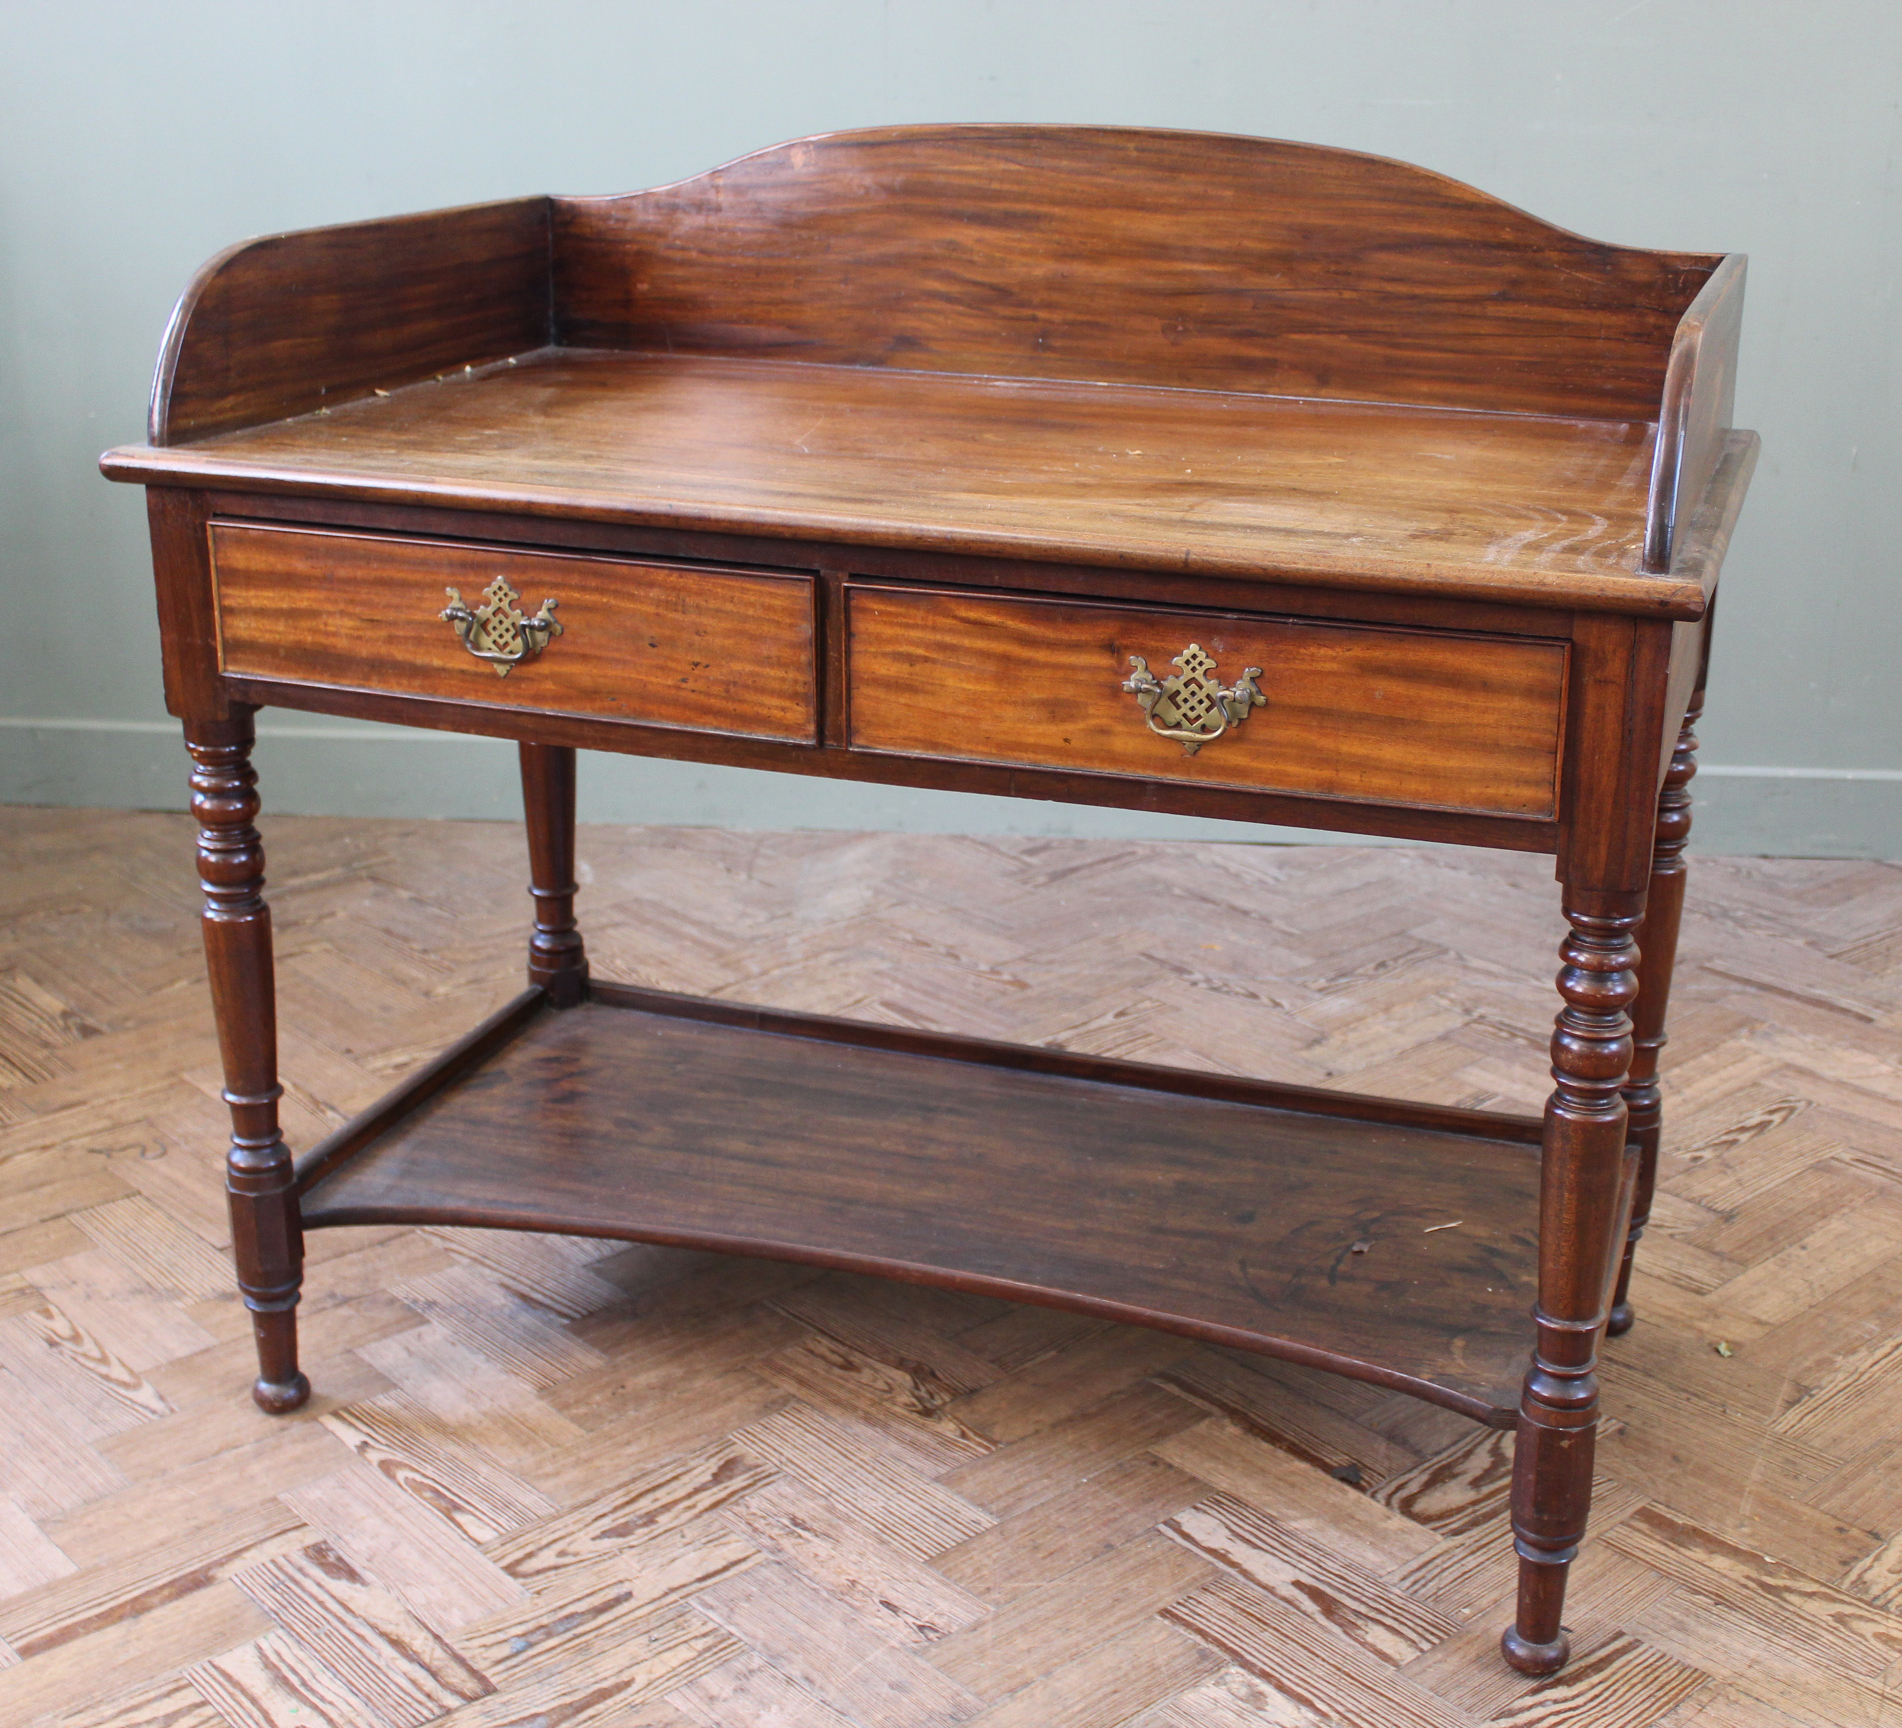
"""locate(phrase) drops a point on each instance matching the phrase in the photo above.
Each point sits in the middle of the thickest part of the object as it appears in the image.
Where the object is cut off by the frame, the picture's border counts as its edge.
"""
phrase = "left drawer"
(703, 649)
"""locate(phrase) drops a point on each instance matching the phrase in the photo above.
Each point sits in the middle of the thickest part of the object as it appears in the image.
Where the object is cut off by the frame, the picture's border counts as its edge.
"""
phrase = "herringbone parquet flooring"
(550, 1484)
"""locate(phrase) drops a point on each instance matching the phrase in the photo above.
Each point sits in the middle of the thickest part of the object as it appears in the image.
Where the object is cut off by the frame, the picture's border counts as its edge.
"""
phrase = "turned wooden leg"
(267, 1239)
(556, 960)
(1664, 910)
(1582, 1187)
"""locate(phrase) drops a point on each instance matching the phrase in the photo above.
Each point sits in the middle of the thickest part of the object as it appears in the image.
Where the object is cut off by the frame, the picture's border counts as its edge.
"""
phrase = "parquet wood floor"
(551, 1484)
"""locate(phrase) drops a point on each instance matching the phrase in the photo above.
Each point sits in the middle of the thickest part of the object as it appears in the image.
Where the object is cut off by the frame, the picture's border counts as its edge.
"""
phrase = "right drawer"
(1400, 716)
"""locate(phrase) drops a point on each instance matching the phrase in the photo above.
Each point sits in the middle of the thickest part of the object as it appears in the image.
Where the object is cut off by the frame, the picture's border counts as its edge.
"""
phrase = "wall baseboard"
(310, 769)
(1797, 812)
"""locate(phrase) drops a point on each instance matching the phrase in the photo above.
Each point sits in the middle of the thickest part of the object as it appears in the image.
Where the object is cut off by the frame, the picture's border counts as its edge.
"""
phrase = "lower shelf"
(1400, 1249)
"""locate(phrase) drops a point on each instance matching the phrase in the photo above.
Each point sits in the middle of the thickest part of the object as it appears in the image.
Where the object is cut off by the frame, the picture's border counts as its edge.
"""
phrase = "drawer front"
(710, 650)
(1389, 715)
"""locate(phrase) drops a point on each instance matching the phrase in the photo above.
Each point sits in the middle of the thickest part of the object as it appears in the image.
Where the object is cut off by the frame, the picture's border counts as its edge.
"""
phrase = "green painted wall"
(137, 139)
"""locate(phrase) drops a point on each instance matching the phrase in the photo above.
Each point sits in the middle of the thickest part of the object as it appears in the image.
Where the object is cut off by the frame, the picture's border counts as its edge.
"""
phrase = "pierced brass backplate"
(1188, 705)
(497, 631)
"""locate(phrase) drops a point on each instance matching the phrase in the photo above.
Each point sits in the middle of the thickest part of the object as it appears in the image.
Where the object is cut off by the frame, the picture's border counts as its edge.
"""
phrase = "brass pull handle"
(1189, 706)
(497, 631)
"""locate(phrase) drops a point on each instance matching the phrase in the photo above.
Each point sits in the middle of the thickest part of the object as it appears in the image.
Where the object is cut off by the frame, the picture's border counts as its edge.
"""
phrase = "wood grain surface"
(1544, 511)
(1414, 717)
(1031, 254)
(543, 1466)
(1135, 256)
(297, 323)
(717, 650)
(1231, 1220)
(1694, 420)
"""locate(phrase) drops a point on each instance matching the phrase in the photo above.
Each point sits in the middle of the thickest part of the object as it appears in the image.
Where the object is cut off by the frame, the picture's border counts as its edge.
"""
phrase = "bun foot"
(277, 1397)
(1620, 1320)
(1535, 1659)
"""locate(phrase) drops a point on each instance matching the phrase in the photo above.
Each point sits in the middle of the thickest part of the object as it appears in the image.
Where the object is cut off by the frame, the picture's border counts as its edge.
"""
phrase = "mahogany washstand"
(1152, 469)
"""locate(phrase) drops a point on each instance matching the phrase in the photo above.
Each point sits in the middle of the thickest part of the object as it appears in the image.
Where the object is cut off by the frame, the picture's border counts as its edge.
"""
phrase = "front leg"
(1582, 1184)
(267, 1238)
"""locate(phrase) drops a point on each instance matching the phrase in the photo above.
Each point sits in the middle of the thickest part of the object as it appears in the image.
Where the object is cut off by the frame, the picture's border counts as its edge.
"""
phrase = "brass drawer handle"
(1188, 705)
(497, 631)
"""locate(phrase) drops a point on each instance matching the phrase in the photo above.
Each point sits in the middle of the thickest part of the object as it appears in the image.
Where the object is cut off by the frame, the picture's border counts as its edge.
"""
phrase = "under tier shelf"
(1396, 1243)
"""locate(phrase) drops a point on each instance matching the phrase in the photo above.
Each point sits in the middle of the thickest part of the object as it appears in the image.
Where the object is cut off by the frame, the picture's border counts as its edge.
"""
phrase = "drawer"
(1419, 717)
(711, 650)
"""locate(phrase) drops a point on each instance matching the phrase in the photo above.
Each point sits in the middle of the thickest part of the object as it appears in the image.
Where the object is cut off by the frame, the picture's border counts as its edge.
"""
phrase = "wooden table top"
(1520, 507)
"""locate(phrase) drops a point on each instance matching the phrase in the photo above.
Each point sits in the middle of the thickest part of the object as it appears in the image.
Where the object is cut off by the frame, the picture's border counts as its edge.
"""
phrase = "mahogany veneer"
(899, 456)
(714, 650)
(1180, 481)
(1418, 717)
(1114, 1188)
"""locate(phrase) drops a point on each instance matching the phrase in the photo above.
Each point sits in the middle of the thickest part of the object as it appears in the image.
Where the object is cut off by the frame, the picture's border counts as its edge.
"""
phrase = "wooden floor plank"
(1024, 1473)
(909, 1510)
(1623, 1683)
(1335, 1678)
(1100, 1602)
(855, 1664)
(1309, 1577)
(910, 1602)
(907, 1406)
(498, 1410)
(428, 1458)
(405, 1546)
(183, 1505)
(702, 1411)
(507, 1329)
(1456, 1490)
(276, 1682)
(101, 1596)
(1782, 1605)
(749, 1692)
(1297, 1495)
(170, 1703)
(1229, 1698)
(622, 1682)
(665, 1497)
(166, 1257)
(1051, 1539)
(159, 1642)
(382, 1653)
(28, 1556)
(584, 1610)
(1116, 1680)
